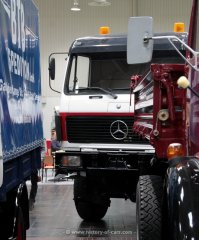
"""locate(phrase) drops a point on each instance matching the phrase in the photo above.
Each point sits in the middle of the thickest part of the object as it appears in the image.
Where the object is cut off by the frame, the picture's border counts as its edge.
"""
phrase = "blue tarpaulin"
(20, 87)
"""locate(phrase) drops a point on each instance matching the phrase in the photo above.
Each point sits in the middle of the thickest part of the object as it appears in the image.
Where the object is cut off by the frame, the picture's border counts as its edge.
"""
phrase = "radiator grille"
(96, 129)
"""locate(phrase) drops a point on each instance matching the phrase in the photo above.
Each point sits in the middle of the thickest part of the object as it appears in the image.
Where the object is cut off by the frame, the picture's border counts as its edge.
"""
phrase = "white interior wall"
(165, 12)
(59, 27)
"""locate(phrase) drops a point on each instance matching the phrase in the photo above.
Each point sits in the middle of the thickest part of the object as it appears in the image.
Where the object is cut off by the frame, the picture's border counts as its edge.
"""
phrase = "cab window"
(79, 73)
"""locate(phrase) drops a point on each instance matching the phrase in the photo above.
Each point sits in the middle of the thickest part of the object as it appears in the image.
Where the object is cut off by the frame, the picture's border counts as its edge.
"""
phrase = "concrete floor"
(54, 217)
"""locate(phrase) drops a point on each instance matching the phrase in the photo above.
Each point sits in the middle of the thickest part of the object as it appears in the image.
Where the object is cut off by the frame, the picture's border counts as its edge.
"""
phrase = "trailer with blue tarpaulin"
(21, 134)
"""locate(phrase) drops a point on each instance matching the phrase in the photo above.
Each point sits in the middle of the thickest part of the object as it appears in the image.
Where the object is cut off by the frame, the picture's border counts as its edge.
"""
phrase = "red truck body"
(160, 107)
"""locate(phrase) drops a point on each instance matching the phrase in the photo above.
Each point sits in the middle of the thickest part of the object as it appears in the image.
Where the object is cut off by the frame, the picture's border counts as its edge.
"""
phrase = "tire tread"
(150, 190)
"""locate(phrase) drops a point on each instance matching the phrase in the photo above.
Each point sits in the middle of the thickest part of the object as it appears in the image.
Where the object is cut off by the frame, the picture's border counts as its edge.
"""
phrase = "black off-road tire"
(149, 197)
(86, 209)
(80, 188)
(90, 211)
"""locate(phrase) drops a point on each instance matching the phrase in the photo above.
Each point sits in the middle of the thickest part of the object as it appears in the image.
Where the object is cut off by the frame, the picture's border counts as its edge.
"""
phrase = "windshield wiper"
(101, 89)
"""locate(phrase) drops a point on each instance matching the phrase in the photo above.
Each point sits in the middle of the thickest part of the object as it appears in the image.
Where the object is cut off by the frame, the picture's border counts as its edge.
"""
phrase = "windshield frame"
(120, 90)
(157, 56)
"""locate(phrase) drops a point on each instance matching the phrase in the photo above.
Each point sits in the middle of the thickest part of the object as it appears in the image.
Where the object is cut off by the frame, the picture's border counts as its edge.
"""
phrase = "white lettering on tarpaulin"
(18, 92)
(15, 92)
(17, 21)
(19, 66)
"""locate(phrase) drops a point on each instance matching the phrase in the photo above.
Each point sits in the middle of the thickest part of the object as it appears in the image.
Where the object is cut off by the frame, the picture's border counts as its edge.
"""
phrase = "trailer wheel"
(7, 210)
(86, 209)
(20, 226)
(148, 207)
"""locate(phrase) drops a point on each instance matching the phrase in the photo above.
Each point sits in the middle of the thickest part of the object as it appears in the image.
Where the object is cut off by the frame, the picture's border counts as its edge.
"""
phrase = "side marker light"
(175, 150)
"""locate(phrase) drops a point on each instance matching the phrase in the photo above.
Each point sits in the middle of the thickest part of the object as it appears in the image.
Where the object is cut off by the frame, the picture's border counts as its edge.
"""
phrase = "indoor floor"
(54, 217)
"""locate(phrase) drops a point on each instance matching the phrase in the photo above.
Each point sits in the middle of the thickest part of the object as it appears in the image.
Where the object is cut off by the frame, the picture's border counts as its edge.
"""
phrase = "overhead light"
(99, 3)
(75, 6)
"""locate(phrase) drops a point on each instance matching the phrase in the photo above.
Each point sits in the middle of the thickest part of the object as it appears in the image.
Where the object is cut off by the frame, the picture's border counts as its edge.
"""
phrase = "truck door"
(83, 98)
(93, 87)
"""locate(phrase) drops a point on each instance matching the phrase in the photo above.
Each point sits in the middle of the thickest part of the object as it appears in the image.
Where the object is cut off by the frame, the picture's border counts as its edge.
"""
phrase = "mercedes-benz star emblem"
(119, 130)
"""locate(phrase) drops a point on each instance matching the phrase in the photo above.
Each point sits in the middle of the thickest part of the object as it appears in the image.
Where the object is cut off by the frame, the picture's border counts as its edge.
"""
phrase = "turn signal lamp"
(178, 27)
(175, 150)
(104, 30)
(64, 161)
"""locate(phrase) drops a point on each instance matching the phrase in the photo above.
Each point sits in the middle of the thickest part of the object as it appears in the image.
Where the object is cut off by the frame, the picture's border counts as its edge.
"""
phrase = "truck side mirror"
(139, 40)
(51, 68)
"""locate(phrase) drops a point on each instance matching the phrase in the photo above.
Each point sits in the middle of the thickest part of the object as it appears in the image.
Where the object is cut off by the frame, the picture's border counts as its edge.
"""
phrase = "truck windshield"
(108, 72)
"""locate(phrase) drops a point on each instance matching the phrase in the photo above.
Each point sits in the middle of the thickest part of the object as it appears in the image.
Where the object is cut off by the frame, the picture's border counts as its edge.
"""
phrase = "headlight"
(70, 161)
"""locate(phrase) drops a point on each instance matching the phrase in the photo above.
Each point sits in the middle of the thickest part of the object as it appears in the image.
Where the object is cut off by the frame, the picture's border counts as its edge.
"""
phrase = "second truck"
(166, 113)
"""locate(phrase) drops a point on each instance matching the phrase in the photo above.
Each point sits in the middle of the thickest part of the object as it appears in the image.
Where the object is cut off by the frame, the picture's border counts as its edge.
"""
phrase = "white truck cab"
(96, 106)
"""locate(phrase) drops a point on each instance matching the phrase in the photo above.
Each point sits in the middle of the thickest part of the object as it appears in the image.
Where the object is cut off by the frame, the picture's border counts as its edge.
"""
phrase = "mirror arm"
(186, 60)
(146, 39)
(195, 54)
(51, 86)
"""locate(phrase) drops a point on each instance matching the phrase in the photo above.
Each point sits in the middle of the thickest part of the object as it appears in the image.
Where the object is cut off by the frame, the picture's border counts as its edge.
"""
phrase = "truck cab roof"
(118, 43)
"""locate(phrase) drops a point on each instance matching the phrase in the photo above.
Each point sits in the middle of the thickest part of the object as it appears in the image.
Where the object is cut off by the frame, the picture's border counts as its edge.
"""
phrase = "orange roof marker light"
(175, 150)
(104, 30)
(178, 27)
